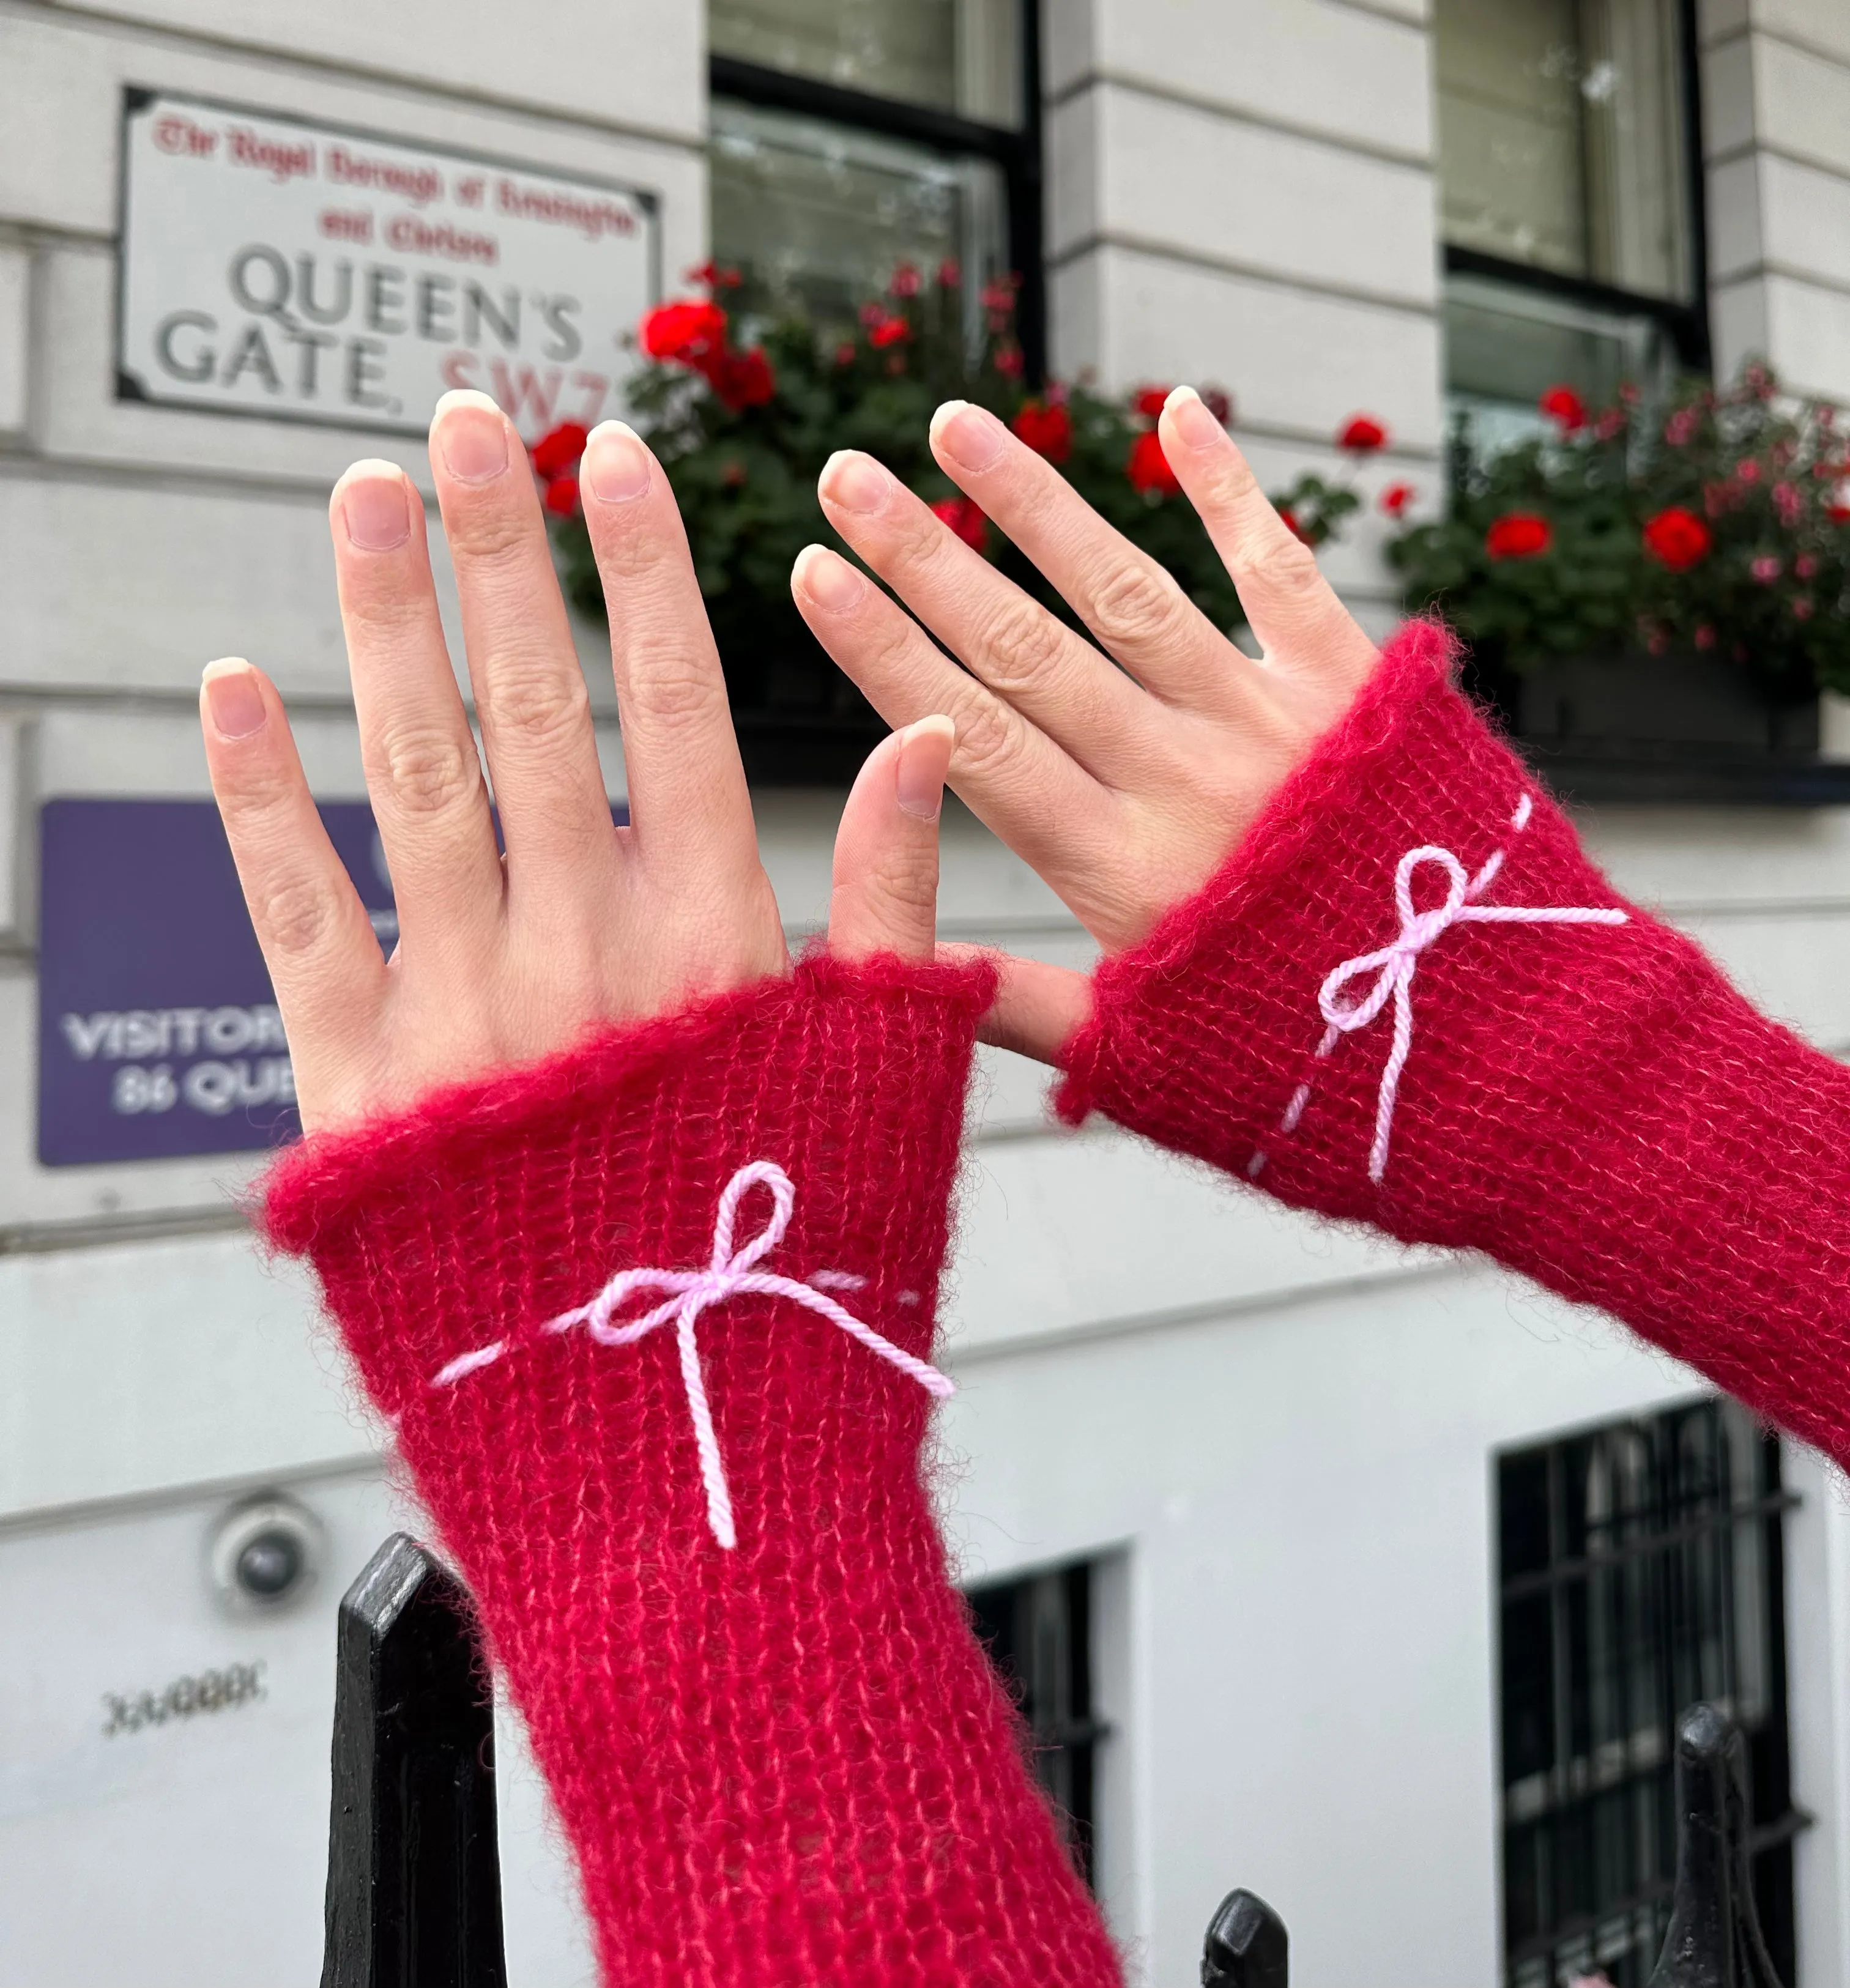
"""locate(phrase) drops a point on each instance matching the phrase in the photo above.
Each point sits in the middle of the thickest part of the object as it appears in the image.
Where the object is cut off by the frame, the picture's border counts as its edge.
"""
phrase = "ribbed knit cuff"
(1509, 1057)
(782, 1760)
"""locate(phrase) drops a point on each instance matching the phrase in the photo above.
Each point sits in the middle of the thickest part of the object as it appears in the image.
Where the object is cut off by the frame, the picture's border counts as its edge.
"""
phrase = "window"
(1038, 1632)
(1640, 1571)
(851, 135)
(1568, 184)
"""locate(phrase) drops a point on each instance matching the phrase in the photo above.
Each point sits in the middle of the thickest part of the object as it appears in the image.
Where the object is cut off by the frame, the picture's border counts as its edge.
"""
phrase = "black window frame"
(1679, 1558)
(1016, 150)
(1686, 323)
(1047, 1614)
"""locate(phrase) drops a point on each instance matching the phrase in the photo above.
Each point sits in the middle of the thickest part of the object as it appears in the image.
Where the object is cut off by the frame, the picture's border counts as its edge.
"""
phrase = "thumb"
(885, 895)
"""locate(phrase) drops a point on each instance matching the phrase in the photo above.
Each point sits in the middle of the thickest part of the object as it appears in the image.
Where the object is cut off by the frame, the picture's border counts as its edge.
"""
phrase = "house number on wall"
(185, 1697)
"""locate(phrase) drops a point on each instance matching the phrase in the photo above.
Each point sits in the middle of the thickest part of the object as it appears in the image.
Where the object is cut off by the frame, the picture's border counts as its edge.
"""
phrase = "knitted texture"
(787, 1763)
(1590, 1104)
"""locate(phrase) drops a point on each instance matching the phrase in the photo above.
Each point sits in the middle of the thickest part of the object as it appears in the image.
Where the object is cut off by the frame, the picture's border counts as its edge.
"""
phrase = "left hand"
(505, 959)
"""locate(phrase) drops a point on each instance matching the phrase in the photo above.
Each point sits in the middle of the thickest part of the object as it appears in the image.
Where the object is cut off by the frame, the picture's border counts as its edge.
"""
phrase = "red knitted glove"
(787, 1763)
(1592, 1103)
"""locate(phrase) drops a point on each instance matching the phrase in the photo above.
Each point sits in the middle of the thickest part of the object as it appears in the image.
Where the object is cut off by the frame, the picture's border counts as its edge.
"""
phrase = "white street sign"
(299, 271)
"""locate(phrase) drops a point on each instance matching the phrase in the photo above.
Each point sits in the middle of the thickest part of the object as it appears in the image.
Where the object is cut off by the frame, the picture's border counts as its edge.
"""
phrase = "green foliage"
(1745, 493)
(745, 476)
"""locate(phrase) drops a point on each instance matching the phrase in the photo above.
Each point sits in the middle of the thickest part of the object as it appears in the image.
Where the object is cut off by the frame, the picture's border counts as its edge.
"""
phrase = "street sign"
(276, 266)
(158, 1034)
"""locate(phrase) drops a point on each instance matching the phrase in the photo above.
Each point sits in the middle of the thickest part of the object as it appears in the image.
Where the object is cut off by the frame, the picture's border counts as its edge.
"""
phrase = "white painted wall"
(1278, 1435)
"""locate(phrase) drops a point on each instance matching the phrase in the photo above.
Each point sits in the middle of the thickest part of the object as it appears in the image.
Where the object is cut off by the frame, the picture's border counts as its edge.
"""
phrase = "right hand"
(1126, 787)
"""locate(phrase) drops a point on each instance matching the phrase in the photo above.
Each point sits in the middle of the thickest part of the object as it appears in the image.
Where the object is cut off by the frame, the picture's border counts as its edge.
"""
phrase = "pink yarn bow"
(1393, 966)
(731, 1273)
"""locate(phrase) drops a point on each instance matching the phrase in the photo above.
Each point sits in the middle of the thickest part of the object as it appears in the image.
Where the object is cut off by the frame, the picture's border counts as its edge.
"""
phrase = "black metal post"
(414, 1872)
(1714, 1937)
(1246, 1945)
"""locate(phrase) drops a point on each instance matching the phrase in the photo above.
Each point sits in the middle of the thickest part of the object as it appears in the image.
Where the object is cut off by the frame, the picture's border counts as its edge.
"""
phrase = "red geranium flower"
(1289, 518)
(1148, 468)
(950, 274)
(1150, 399)
(558, 448)
(1362, 435)
(742, 380)
(1218, 405)
(1395, 499)
(905, 281)
(1564, 408)
(964, 517)
(1677, 538)
(687, 331)
(1010, 362)
(844, 353)
(714, 276)
(888, 328)
(1519, 534)
(562, 496)
(1047, 430)
(1838, 514)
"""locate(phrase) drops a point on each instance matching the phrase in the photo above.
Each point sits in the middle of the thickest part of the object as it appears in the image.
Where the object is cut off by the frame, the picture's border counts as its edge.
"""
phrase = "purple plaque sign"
(158, 1034)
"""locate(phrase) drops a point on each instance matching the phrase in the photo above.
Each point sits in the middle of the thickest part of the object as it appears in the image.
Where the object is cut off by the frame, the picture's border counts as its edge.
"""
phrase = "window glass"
(1506, 345)
(961, 56)
(1561, 141)
(815, 215)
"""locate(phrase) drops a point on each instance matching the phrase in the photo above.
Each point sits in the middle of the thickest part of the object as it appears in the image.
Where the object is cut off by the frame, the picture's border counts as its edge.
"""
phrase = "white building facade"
(1280, 1468)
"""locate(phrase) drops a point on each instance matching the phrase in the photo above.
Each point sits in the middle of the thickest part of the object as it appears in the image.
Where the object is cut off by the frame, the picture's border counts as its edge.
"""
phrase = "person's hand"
(502, 960)
(1125, 787)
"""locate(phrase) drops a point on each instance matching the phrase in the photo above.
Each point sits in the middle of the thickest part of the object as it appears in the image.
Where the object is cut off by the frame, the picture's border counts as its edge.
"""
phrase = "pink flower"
(1705, 636)
(905, 281)
(1747, 471)
(1788, 503)
(1765, 569)
(950, 274)
(1802, 608)
(1680, 430)
(1804, 567)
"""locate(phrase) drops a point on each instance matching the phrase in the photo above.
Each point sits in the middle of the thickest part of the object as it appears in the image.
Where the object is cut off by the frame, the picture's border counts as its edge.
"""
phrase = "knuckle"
(296, 918)
(430, 773)
(1282, 564)
(1136, 606)
(490, 533)
(1023, 646)
(536, 704)
(990, 739)
(680, 692)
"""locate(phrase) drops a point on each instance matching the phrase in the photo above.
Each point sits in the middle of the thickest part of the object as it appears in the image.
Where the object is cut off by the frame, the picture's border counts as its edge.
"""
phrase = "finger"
(317, 941)
(530, 695)
(1047, 808)
(1294, 611)
(422, 770)
(1037, 1008)
(1051, 675)
(689, 803)
(1130, 603)
(885, 897)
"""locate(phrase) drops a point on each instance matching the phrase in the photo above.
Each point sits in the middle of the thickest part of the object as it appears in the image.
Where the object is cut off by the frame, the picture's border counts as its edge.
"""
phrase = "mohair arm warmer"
(788, 1762)
(1591, 1103)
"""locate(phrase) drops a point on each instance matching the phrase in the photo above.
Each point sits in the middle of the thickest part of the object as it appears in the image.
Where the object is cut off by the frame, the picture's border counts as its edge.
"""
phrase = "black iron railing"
(414, 1883)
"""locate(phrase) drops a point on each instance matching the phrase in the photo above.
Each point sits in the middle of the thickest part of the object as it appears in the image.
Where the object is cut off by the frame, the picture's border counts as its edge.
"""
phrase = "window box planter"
(1689, 729)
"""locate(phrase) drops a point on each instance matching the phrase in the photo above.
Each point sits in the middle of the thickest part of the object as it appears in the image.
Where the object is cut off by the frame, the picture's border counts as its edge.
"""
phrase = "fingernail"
(856, 483)
(1189, 418)
(375, 506)
(924, 757)
(829, 581)
(233, 701)
(971, 437)
(471, 437)
(616, 464)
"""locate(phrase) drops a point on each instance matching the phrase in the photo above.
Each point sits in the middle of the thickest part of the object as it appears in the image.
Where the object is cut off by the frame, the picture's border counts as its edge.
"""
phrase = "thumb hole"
(1038, 1006)
(885, 895)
